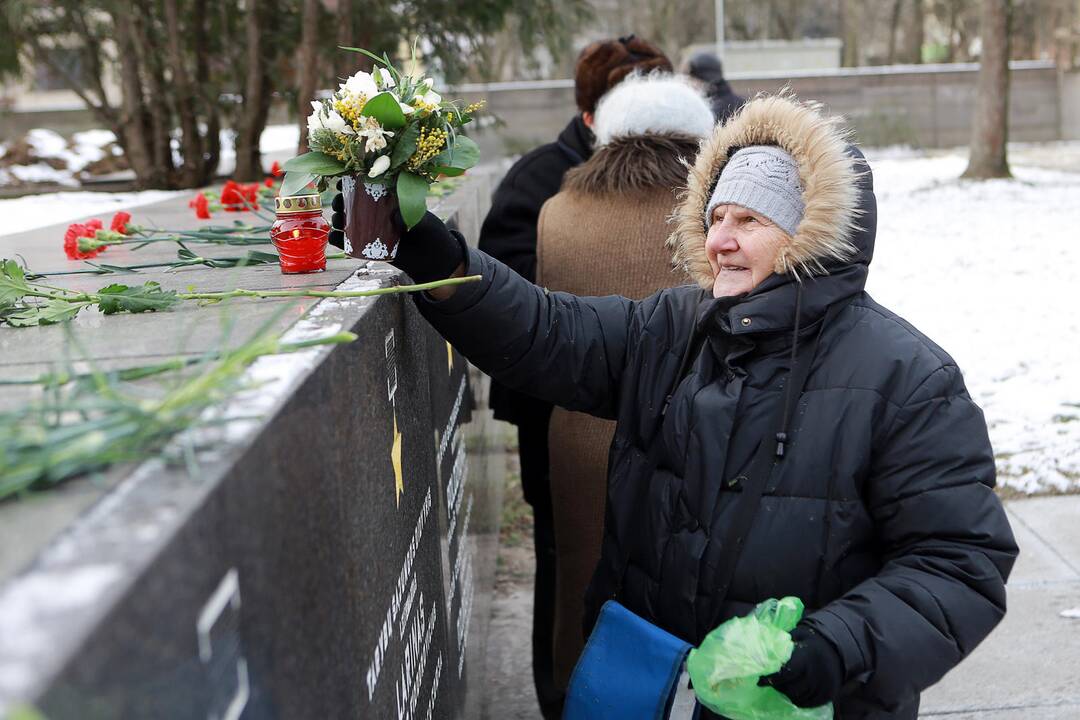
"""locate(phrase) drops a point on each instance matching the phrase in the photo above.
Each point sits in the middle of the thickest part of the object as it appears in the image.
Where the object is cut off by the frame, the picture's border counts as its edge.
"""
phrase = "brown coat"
(604, 233)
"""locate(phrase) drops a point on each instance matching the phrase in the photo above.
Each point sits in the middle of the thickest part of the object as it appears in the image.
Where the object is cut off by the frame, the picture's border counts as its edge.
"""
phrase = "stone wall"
(333, 558)
(919, 105)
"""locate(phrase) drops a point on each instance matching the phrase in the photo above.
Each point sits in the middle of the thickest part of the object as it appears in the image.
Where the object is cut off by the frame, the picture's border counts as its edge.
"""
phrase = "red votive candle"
(300, 233)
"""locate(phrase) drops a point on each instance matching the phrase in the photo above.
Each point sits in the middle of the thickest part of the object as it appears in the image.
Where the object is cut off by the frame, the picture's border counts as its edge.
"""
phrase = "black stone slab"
(290, 573)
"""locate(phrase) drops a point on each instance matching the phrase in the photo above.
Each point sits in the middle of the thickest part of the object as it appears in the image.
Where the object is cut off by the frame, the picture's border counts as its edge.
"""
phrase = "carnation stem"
(328, 293)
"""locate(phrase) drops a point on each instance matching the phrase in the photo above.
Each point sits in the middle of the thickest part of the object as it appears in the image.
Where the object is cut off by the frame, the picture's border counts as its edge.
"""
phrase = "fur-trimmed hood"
(837, 189)
(634, 164)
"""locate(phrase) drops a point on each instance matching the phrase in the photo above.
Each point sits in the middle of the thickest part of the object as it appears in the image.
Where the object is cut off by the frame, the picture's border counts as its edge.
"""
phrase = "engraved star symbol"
(449, 357)
(395, 460)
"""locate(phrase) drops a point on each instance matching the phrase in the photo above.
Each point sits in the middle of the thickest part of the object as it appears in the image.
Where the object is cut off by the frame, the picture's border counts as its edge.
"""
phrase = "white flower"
(428, 83)
(323, 118)
(431, 98)
(379, 166)
(407, 109)
(361, 83)
(386, 80)
(375, 134)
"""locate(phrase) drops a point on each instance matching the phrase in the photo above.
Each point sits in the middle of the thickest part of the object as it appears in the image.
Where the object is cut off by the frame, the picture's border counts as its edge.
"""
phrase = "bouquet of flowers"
(385, 134)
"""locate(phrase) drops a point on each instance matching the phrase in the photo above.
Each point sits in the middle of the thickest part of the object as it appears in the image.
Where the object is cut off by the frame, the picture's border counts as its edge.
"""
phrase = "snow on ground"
(34, 211)
(984, 269)
(987, 270)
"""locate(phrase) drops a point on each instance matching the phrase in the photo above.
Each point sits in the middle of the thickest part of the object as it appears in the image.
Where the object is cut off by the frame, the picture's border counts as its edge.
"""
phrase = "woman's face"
(742, 247)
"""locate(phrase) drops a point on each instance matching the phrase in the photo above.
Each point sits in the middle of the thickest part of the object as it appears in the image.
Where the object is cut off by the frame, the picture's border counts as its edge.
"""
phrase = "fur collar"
(634, 164)
(828, 174)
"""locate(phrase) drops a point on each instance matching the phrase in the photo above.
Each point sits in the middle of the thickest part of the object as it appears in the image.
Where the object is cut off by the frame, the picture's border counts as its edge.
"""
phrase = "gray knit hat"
(762, 178)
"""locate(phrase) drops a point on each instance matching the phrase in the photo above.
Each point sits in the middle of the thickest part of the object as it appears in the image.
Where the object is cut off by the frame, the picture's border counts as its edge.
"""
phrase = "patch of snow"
(986, 269)
(85, 147)
(42, 173)
(1071, 613)
(276, 138)
(47, 143)
(34, 211)
(95, 138)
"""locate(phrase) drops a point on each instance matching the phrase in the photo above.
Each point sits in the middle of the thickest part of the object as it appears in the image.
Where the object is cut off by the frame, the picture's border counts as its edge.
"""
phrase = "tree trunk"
(257, 92)
(134, 135)
(154, 97)
(207, 94)
(954, 19)
(191, 170)
(894, 30)
(990, 130)
(915, 34)
(346, 37)
(308, 68)
(849, 32)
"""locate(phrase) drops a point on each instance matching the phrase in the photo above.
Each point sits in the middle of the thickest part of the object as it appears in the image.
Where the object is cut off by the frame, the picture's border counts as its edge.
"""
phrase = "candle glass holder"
(300, 234)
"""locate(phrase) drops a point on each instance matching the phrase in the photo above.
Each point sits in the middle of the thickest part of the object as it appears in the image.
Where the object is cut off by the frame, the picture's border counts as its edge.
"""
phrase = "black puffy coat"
(881, 516)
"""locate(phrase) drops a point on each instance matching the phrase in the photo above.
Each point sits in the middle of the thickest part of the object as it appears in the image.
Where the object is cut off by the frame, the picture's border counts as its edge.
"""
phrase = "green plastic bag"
(726, 668)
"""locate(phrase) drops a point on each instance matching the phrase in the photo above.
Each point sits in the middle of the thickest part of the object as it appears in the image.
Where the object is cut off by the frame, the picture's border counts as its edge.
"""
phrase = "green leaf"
(13, 285)
(447, 171)
(295, 182)
(51, 313)
(150, 297)
(385, 108)
(406, 145)
(316, 163)
(412, 197)
(462, 154)
(362, 51)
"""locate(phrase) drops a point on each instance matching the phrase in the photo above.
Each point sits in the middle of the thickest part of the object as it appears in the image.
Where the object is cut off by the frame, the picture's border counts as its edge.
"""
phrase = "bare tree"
(914, 33)
(258, 89)
(346, 37)
(308, 63)
(990, 131)
(849, 31)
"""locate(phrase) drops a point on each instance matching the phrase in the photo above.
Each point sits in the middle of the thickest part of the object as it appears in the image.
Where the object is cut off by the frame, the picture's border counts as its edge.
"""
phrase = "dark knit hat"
(604, 63)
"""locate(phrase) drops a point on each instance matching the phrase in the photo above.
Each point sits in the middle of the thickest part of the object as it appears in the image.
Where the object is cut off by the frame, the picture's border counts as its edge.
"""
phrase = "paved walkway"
(1029, 668)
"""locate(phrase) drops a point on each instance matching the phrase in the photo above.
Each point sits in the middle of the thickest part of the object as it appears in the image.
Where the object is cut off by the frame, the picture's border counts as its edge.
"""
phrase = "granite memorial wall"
(340, 564)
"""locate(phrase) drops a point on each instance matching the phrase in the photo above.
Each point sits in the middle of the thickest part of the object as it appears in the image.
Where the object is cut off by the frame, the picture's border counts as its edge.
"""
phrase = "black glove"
(814, 674)
(429, 251)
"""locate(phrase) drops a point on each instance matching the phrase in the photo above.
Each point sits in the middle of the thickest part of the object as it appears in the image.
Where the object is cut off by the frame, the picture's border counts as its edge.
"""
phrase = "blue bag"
(629, 669)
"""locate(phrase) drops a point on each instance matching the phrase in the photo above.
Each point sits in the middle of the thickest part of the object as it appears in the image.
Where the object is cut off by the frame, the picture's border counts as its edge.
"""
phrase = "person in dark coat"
(708, 69)
(509, 234)
(880, 513)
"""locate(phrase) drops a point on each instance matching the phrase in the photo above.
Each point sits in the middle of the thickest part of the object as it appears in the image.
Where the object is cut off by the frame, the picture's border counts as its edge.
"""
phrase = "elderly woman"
(603, 234)
(876, 506)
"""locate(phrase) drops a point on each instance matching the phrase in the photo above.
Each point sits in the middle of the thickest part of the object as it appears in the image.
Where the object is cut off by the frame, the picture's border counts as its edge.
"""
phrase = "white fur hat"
(652, 104)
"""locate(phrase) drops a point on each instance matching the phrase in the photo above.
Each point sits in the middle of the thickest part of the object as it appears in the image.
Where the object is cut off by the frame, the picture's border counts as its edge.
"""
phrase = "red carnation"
(201, 206)
(269, 182)
(94, 224)
(119, 222)
(232, 197)
(276, 170)
(251, 193)
(71, 241)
